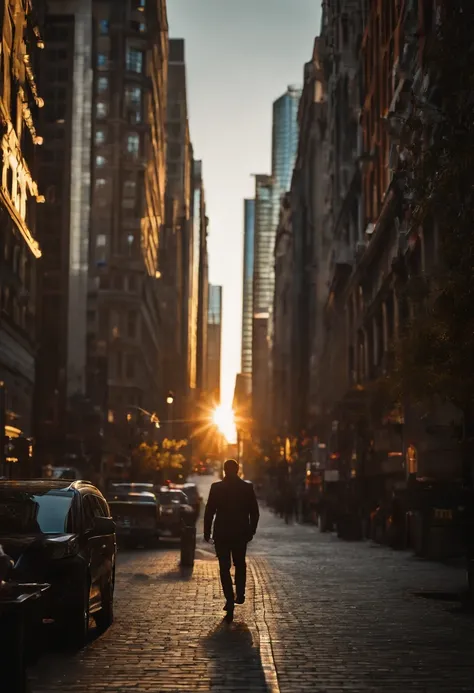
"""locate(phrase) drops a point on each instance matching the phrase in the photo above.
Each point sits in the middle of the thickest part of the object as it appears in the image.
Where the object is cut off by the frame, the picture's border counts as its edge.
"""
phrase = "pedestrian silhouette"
(233, 506)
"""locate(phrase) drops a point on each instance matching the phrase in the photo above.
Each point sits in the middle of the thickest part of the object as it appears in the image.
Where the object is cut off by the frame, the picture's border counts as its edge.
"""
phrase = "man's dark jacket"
(233, 504)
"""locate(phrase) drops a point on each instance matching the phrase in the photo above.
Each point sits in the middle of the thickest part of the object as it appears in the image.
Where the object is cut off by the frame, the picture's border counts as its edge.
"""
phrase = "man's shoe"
(240, 599)
(229, 606)
(229, 617)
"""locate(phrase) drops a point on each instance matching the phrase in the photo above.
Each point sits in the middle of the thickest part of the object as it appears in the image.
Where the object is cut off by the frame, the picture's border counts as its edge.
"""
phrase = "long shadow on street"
(235, 659)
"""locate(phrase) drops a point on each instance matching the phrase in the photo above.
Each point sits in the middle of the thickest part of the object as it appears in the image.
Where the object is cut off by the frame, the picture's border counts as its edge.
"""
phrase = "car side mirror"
(103, 526)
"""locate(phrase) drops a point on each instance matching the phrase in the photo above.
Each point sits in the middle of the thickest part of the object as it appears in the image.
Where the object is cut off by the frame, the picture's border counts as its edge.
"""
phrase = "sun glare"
(223, 417)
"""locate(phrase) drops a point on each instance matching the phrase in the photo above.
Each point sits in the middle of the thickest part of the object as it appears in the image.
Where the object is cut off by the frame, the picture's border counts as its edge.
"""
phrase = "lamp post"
(169, 402)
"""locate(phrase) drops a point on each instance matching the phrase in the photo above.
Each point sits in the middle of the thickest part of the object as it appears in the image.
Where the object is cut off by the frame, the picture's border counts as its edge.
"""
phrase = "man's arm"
(209, 513)
(253, 511)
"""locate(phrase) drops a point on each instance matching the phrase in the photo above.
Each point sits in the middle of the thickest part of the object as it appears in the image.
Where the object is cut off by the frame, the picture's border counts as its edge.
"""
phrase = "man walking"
(233, 507)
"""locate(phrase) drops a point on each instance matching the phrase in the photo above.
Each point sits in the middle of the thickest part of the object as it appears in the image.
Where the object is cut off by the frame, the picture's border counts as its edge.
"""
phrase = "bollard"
(188, 546)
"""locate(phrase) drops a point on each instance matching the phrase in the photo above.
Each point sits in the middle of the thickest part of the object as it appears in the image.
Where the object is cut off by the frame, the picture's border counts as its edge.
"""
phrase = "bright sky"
(241, 55)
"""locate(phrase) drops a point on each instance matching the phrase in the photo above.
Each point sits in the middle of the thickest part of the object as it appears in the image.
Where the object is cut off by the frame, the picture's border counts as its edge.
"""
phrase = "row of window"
(125, 365)
(120, 282)
(132, 148)
(134, 60)
(129, 247)
(129, 187)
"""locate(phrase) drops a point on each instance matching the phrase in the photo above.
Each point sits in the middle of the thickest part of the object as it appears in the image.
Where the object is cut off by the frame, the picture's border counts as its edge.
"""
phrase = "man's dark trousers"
(228, 552)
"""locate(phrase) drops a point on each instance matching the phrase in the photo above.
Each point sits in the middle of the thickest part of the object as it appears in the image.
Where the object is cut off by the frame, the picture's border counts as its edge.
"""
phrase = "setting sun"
(223, 417)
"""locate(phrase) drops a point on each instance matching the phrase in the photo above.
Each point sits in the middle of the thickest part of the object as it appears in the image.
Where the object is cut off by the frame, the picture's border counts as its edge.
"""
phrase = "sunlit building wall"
(20, 140)
(247, 301)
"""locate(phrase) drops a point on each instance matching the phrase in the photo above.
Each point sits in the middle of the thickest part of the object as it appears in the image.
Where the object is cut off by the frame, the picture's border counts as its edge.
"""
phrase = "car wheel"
(76, 624)
(105, 617)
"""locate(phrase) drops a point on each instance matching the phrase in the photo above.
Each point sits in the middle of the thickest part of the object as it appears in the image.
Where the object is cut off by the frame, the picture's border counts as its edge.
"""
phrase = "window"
(174, 151)
(100, 183)
(88, 510)
(101, 60)
(132, 324)
(135, 60)
(102, 84)
(174, 129)
(104, 27)
(27, 513)
(101, 109)
(100, 161)
(133, 144)
(129, 188)
(100, 137)
(133, 96)
(142, 28)
(130, 367)
(101, 240)
(133, 101)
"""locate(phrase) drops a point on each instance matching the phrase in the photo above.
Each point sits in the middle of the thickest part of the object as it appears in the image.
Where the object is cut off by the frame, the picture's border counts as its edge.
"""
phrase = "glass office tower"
(247, 303)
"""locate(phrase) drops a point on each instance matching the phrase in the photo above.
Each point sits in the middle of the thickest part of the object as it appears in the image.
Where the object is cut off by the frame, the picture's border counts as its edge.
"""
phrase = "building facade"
(214, 342)
(282, 319)
(203, 294)
(128, 208)
(247, 298)
(263, 284)
(284, 144)
(63, 221)
(180, 266)
(367, 271)
(20, 100)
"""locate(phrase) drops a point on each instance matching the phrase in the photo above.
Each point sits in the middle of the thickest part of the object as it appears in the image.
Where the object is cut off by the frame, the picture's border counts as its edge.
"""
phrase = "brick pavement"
(328, 615)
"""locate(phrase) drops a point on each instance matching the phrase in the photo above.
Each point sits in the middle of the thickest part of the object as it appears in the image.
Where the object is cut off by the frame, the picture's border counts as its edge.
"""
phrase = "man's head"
(231, 467)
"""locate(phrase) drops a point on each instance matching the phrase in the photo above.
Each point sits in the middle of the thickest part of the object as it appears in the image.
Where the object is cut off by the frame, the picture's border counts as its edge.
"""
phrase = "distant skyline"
(240, 57)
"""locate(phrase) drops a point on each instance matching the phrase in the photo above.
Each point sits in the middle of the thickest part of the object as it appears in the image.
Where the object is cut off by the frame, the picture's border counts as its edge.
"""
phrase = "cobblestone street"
(321, 615)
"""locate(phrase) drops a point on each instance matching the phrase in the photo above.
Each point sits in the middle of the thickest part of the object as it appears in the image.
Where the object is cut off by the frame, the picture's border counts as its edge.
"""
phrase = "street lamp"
(169, 402)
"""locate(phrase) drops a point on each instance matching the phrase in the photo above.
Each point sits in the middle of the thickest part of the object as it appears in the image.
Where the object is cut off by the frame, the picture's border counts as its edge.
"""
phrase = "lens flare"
(223, 418)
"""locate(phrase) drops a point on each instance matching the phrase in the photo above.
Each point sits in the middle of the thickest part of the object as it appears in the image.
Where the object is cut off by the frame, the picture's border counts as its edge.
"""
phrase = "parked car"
(192, 494)
(136, 516)
(174, 511)
(132, 487)
(61, 533)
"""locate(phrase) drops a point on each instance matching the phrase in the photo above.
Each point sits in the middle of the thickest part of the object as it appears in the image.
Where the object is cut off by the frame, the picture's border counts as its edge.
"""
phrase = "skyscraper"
(63, 221)
(128, 207)
(268, 193)
(285, 134)
(284, 141)
(263, 284)
(214, 333)
(247, 301)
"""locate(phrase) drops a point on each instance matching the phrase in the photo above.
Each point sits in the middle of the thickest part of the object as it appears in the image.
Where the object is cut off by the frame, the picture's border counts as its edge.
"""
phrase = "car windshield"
(169, 497)
(30, 513)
